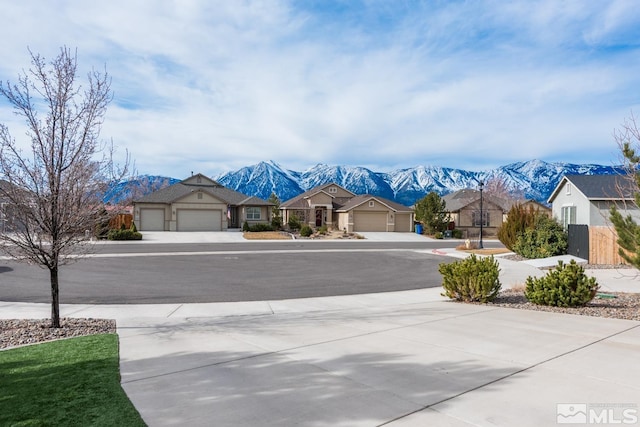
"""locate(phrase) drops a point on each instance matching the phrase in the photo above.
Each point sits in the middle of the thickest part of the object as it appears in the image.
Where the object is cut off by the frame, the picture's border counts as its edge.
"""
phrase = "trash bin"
(447, 234)
(418, 228)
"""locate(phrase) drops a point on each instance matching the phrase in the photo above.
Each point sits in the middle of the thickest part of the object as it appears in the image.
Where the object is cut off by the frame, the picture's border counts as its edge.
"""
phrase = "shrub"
(133, 227)
(256, 228)
(123, 235)
(306, 231)
(471, 279)
(565, 286)
(547, 238)
(276, 222)
(245, 226)
(456, 234)
(519, 219)
(323, 230)
(438, 235)
(294, 223)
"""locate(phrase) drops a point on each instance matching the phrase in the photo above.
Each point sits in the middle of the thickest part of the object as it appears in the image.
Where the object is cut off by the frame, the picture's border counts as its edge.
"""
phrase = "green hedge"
(126, 234)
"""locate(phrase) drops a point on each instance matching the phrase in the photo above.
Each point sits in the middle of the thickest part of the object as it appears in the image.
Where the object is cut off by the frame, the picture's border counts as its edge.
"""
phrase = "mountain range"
(534, 179)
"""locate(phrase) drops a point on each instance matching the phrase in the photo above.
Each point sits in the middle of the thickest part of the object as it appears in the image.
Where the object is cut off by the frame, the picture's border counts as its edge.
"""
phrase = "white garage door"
(199, 220)
(370, 221)
(151, 220)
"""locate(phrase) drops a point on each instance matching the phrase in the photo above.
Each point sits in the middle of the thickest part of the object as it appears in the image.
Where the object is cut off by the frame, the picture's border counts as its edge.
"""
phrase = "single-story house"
(336, 207)
(198, 203)
(586, 199)
(463, 207)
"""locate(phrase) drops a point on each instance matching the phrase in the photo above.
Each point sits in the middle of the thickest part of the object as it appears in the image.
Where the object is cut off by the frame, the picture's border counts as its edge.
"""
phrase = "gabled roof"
(463, 198)
(364, 198)
(298, 201)
(183, 188)
(598, 187)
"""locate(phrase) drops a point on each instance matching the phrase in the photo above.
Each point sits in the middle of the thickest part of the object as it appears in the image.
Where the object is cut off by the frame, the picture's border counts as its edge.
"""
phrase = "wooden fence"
(603, 246)
(123, 218)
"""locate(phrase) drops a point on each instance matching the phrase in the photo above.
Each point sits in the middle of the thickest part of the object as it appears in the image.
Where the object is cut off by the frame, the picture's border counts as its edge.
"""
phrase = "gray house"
(198, 203)
(586, 199)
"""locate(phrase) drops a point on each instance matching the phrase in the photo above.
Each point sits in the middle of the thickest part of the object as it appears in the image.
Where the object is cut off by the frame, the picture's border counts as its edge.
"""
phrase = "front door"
(318, 217)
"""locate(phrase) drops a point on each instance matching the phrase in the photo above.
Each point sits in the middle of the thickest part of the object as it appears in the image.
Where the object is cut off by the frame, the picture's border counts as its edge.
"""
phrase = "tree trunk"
(55, 301)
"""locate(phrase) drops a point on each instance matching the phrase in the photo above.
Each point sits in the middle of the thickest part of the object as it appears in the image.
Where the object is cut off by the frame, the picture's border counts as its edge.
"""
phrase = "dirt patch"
(266, 235)
(493, 251)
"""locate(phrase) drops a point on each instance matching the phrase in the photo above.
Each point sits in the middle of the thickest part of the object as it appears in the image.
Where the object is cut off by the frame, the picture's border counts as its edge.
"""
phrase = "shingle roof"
(298, 201)
(358, 200)
(461, 198)
(179, 190)
(603, 187)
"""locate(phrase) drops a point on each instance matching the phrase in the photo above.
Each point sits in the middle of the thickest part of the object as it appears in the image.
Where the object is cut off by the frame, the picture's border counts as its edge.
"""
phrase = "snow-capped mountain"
(535, 179)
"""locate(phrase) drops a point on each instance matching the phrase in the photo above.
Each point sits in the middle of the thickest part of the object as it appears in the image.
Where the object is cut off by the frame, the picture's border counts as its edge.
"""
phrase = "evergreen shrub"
(126, 234)
(519, 219)
(306, 231)
(547, 238)
(473, 279)
(565, 286)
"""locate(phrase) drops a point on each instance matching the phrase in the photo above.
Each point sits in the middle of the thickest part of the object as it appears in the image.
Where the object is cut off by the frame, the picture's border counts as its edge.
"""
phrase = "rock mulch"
(623, 306)
(15, 333)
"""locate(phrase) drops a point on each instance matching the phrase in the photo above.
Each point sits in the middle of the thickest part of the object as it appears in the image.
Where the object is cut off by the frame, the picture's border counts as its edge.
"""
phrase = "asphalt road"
(180, 273)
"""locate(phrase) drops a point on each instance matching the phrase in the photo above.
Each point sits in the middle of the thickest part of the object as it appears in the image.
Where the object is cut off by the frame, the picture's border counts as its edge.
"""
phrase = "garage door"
(370, 221)
(403, 222)
(199, 220)
(151, 220)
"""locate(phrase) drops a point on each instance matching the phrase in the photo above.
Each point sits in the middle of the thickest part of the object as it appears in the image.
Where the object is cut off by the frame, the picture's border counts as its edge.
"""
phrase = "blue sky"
(211, 86)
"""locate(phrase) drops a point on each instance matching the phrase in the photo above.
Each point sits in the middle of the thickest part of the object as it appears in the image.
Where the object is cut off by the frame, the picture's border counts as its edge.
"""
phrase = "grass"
(73, 382)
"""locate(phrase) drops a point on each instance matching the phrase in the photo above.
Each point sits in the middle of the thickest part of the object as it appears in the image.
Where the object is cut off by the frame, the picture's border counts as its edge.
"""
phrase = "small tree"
(276, 217)
(519, 219)
(54, 188)
(545, 239)
(431, 210)
(628, 140)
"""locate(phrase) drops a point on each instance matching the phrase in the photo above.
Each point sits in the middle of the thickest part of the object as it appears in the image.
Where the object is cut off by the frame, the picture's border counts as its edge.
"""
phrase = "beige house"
(464, 210)
(198, 203)
(337, 208)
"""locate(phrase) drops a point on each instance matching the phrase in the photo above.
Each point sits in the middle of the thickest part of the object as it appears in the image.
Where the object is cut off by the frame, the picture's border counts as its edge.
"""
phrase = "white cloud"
(213, 86)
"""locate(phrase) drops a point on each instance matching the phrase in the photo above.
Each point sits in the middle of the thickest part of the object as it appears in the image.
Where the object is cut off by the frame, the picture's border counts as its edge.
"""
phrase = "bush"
(256, 228)
(471, 279)
(456, 234)
(565, 286)
(306, 231)
(438, 235)
(133, 227)
(323, 230)
(276, 222)
(294, 223)
(123, 235)
(519, 219)
(547, 238)
(245, 226)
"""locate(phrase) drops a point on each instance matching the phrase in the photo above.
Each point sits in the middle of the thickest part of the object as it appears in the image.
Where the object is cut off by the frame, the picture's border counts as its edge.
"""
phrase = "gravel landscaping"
(14, 333)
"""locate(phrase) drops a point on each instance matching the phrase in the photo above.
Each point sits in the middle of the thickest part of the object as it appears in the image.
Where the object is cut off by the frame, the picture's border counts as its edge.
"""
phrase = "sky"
(211, 86)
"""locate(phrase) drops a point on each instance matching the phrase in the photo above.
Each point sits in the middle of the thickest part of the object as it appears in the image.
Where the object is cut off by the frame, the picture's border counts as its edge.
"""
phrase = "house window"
(371, 204)
(199, 195)
(475, 218)
(333, 190)
(253, 213)
(568, 216)
(199, 180)
(568, 193)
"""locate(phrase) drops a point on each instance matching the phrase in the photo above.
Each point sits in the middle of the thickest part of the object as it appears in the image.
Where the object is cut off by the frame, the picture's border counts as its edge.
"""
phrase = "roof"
(359, 200)
(298, 201)
(599, 187)
(462, 198)
(181, 189)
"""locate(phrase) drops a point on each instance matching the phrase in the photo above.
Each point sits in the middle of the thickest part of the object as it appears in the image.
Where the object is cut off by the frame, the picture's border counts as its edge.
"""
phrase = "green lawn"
(74, 382)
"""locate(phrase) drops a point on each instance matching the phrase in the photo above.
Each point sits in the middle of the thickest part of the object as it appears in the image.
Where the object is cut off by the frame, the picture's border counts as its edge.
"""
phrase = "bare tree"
(498, 187)
(54, 188)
